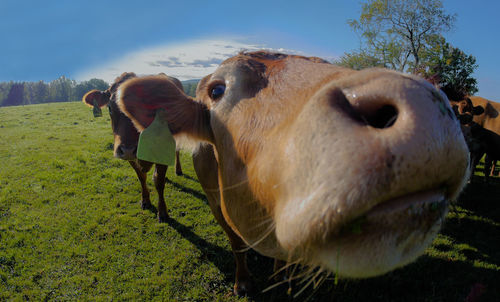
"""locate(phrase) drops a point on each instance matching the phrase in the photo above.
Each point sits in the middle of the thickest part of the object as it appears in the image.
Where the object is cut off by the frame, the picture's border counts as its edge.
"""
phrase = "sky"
(84, 39)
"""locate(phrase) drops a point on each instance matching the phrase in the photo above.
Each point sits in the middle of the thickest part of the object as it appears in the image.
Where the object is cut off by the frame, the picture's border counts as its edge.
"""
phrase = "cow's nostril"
(383, 117)
(119, 151)
(127, 153)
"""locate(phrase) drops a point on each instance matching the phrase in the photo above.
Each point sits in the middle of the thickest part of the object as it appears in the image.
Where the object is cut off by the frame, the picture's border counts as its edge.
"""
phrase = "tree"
(85, 86)
(451, 69)
(59, 90)
(16, 95)
(358, 60)
(40, 92)
(190, 87)
(398, 32)
(4, 91)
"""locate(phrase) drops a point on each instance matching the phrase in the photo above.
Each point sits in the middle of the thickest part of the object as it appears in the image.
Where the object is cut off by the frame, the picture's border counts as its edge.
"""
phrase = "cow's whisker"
(284, 267)
(312, 279)
(268, 232)
(231, 187)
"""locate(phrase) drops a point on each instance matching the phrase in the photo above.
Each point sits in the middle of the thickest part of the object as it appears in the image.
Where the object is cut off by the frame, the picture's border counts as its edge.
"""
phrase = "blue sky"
(43, 40)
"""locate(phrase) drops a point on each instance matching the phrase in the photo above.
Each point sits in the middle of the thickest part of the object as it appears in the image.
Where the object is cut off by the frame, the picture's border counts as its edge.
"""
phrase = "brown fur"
(300, 149)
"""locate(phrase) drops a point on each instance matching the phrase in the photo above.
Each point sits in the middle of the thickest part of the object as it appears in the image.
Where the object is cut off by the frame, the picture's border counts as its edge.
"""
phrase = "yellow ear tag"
(96, 110)
(156, 143)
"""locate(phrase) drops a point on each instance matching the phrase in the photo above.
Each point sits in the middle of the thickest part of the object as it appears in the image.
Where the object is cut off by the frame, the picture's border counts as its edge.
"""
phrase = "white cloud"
(190, 60)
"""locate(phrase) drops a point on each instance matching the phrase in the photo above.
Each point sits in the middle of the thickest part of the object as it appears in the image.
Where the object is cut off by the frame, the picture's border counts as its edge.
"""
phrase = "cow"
(465, 111)
(126, 138)
(484, 113)
(315, 164)
(489, 144)
(482, 141)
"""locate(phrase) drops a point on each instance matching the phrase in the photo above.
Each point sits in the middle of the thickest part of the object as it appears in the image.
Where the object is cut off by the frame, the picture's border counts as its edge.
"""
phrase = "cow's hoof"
(146, 205)
(163, 218)
(244, 288)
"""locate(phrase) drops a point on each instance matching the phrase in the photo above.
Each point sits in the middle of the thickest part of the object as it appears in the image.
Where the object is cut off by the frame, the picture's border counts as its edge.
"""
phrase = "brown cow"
(489, 144)
(126, 138)
(485, 114)
(490, 120)
(465, 112)
(312, 163)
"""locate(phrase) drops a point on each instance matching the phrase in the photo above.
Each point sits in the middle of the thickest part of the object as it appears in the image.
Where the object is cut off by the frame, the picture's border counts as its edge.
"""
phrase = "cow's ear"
(96, 97)
(477, 110)
(140, 98)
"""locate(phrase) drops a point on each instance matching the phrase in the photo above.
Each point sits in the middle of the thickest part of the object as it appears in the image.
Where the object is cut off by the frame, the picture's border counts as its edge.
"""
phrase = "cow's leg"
(487, 167)
(494, 168)
(475, 158)
(205, 166)
(178, 169)
(243, 284)
(159, 180)
(142, 175)
(472, 166)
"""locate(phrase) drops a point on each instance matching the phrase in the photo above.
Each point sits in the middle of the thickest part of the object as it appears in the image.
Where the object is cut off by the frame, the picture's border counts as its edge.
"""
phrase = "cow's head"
(465, 110)
(348, 170)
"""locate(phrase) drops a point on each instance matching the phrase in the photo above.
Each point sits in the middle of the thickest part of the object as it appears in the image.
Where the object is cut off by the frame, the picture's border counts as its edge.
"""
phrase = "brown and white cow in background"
(126, 138)
(481, 126)
(488, 143)
(311, 163)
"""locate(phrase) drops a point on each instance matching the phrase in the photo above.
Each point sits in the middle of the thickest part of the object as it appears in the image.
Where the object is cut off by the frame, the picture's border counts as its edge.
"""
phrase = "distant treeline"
(190, 87)
(59, 90)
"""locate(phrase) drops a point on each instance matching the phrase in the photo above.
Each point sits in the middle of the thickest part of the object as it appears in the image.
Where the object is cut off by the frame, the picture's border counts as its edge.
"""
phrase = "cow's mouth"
(418, 211)
(389, 235)
(414, 204)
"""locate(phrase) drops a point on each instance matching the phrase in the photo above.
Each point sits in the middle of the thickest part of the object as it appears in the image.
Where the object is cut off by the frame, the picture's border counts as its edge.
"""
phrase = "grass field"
(71, 228)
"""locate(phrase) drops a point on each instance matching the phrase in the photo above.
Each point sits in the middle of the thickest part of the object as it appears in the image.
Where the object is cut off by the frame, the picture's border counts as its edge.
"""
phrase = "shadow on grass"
(428, 279)
(482, 198)
(190, 177)
(260, 266)
(483, 237)
(220, 257)
(184, 189)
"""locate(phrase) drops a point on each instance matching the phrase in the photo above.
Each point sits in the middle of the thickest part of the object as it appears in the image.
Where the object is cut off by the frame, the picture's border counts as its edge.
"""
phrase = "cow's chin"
(388, 236)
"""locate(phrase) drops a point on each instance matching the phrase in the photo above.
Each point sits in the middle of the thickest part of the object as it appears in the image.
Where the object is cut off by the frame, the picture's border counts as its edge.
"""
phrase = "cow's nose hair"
(127, 153)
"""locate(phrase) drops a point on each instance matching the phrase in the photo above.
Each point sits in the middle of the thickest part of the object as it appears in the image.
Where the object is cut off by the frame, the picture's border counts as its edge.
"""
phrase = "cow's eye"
(217, 91)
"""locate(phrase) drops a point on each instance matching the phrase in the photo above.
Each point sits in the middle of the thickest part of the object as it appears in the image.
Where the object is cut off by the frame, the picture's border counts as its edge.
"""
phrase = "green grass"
(71, 228)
